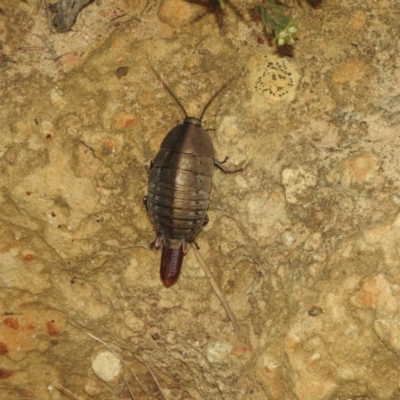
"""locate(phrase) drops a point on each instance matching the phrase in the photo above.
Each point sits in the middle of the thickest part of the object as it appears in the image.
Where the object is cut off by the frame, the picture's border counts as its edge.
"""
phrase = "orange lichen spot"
(109, 145)
(359, 169)
(350, 72)
(125, 121)
(28, 257)
(358, 20)
(267, 370)
(51, 328)
(3, 348)
(71, 58)
(11, 322)
(368, 295)
(239, 351)
(5, 373)
(28, 193)
(292, 343)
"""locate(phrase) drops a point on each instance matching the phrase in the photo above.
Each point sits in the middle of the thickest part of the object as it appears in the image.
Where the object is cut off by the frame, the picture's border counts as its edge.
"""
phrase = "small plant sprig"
(274, 19)
(276, 22)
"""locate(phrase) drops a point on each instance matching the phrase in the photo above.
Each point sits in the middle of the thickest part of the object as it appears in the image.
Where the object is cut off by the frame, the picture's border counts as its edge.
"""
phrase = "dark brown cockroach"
(179, 187)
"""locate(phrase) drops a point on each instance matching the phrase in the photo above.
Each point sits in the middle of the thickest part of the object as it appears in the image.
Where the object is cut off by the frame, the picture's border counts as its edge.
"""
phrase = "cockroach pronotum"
(179, 187)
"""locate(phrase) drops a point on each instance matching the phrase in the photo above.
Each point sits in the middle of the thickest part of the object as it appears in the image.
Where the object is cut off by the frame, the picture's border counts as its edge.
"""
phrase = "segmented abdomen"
(171, 264)
(179, 193)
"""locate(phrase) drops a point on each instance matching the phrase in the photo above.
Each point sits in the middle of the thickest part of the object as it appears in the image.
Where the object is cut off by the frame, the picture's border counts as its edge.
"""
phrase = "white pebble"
(106, 366)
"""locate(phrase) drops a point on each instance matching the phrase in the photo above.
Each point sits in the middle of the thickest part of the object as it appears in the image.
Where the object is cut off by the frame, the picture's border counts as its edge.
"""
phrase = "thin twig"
(218, 291)
(33, 49)
(156, 381)
(49, 45)
(65, 391)
(115, 353)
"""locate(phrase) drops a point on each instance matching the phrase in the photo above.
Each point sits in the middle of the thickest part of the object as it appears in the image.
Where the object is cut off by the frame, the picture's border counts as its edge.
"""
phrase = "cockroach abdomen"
(171, 263)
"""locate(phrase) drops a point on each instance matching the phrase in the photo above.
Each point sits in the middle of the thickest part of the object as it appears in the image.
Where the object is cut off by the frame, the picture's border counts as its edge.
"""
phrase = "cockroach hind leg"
(195, 245)
(184, 247)
(157, 242)
(149, 167)
(221, 162)
(219, 165)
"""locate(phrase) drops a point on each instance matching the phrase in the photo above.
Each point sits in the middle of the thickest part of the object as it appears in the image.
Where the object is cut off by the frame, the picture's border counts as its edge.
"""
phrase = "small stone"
(178, 13)
(121, 72)
(315, 311)
(106, 366)
(57, 98)
(218, 352)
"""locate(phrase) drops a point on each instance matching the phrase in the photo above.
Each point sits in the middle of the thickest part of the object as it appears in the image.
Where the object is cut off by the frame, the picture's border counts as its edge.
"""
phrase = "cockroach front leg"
(219, 165)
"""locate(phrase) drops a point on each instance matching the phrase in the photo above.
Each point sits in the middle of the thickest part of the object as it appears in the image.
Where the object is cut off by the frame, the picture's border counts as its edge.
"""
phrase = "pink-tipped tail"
(171, 263)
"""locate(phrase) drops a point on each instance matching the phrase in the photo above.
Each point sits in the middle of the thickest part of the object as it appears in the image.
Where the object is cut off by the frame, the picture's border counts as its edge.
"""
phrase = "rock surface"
(304, 242)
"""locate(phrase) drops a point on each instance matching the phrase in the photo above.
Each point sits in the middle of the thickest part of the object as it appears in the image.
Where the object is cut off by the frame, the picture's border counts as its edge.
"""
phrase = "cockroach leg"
(145, 202)
(219, 165)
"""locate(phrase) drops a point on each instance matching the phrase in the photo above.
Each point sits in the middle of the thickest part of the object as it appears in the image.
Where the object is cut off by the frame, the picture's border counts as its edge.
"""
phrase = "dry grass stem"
(117, 355)
(65, 391)
(218, 291)
(156, 381)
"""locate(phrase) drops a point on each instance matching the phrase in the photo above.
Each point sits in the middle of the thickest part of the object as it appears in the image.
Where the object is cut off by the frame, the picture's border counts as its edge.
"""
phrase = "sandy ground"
(304, 242)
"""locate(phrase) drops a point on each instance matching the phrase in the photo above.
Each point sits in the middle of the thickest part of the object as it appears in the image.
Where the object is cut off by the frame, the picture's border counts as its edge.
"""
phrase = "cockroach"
(179, 187)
